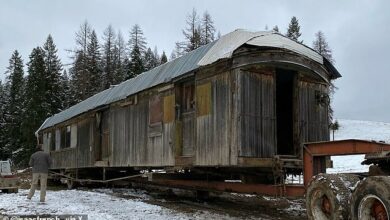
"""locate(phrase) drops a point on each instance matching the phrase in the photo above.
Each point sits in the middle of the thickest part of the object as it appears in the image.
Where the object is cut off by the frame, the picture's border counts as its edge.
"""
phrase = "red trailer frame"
(314, 153)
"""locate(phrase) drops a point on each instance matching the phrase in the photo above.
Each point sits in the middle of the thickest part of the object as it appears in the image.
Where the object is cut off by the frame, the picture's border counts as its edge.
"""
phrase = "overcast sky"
(357, 31)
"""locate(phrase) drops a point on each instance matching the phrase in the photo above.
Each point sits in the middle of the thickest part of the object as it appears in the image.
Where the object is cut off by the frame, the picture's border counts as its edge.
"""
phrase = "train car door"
(102, 151)
(186, 115)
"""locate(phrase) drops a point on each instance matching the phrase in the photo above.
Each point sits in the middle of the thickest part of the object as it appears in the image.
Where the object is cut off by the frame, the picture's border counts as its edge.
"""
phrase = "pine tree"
(137, 39)
(334, 126)
(136, 65)
(120, 59)
(53, 68)
(137, 44)
(65, 88)
(293, 31)
(192, 33)
(208, 29)
(37, 104)
(108, 61)
(3, 101)
(196, 33)
(94, 69)
(78, 79)
(148, 59)
(156, 57)
(151, 59)
(82, 37)
(276, 28)
(164, 58)
(14, 109)
(79, 69)
(322, 47)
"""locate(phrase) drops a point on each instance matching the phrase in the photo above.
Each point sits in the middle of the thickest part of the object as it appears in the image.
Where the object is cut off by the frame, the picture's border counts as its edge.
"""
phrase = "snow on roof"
(205, 55)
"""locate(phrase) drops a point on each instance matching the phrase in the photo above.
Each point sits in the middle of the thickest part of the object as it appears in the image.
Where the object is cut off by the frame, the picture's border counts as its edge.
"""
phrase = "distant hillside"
(354, 129)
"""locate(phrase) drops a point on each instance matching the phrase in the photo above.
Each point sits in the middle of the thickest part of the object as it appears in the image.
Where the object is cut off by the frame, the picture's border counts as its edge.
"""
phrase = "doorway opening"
(284, 111)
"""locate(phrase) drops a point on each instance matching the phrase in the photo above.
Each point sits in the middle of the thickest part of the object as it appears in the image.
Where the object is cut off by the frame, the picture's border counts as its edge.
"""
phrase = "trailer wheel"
(371, 199)
(327, 196)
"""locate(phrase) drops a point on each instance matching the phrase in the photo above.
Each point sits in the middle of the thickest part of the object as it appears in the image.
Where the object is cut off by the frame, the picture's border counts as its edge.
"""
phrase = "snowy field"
(363, 130)
(97, 205)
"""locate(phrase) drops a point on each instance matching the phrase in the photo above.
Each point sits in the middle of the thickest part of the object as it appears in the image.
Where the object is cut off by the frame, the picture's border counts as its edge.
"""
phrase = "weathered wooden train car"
(238, 102)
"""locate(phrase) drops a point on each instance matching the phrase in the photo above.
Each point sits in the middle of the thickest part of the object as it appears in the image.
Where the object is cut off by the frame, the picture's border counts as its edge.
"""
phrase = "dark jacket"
(40, 162)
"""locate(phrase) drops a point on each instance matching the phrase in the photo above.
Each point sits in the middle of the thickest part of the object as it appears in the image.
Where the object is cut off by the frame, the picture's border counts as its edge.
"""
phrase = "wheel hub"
(326, 207)
(378, 211)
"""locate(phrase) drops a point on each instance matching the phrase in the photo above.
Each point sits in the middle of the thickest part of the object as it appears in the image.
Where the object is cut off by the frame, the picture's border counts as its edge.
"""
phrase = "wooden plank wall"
(313, 117)
(65, 158)
(213, 129)
(84, 147)
(134, 141)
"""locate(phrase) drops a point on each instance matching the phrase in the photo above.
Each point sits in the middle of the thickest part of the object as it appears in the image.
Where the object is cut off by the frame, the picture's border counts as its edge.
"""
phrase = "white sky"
(357, 31)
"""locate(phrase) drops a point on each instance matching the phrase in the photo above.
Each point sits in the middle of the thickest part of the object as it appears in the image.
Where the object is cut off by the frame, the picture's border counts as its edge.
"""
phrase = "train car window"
(63, 137)
(52, 142)
(67, 137)
(155, 109)
(73, 136)
(58, 139)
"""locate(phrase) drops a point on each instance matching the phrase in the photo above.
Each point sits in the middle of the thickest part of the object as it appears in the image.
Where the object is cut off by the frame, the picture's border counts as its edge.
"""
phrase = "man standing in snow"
(40, 162)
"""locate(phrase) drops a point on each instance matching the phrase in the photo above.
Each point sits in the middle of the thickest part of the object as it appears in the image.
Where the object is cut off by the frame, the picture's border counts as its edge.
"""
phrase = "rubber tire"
(337, 188)
(373, 186)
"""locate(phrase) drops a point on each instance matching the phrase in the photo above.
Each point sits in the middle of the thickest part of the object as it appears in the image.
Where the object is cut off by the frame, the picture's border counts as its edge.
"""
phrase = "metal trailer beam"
(260, 189)
(314, 153)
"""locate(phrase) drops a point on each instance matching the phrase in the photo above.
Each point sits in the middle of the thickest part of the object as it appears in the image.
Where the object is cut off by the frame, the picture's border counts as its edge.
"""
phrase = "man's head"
(39, 148)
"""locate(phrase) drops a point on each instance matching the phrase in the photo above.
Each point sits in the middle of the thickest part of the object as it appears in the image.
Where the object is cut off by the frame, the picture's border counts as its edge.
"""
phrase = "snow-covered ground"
(363, 130)
(97, 205)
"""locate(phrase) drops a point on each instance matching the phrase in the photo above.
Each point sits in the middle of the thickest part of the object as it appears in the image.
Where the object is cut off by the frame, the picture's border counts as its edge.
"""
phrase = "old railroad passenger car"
(233, 106)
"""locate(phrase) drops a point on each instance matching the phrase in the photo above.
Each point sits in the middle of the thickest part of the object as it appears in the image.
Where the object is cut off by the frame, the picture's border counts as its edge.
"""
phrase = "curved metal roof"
(205, 55)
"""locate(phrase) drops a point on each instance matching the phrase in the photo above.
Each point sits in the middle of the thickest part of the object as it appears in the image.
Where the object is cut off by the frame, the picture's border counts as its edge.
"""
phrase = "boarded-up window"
(73, 136)
(169, 108)
(203, 99)
(188, 96)
(155, 109)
